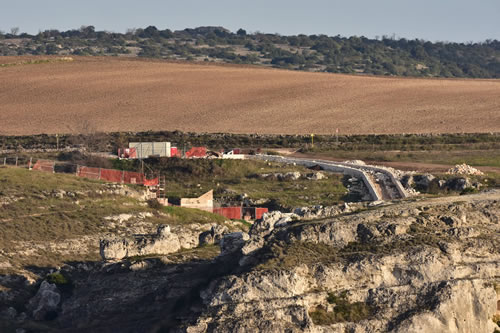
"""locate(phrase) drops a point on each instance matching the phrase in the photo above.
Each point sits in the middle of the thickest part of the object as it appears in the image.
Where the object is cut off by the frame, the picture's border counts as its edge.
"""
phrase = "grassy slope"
(231, 178)
(486, 157)
(32, 214)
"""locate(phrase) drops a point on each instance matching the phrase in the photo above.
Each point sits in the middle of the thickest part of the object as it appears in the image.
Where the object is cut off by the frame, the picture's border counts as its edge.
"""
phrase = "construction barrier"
(233, 213)
(88, 172)
(115, 176)
(196, 152)
(237, 213)
(133, 177)
(44, 165)
(259, 212)
(152, 182)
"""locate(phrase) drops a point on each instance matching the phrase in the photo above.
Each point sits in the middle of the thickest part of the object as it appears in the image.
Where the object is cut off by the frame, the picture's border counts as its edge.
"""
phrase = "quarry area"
(238, 240)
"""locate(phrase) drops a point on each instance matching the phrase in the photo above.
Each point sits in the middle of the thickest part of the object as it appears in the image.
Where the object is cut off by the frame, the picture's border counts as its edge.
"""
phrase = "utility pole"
(57, 142)
(337, 136)
(312, 140)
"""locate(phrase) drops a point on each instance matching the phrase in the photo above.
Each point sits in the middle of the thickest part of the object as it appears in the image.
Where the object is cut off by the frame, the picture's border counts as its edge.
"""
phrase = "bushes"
(58, 279)
(343, 311)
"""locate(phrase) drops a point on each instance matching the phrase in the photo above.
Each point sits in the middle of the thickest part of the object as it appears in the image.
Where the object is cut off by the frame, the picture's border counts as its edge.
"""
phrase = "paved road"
(380, 182)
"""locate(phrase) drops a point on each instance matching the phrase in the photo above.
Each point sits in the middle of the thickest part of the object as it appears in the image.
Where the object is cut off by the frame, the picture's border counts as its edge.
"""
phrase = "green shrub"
(155, 204)
(344, 311)
(58, 279)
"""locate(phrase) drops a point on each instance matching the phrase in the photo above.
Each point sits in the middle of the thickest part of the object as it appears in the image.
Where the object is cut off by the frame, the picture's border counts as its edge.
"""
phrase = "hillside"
(318, 53)
(115, 94)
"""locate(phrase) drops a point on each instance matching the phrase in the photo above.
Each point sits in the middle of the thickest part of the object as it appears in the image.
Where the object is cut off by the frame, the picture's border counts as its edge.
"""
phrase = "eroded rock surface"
(163, 242)
(423, 266)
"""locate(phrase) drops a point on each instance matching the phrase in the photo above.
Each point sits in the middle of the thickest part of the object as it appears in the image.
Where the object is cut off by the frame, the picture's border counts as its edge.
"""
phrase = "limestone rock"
(462, 306)
(163, 242)
(458, 184)
(317, 176)
(270, 220)
(232, 242)
(214, 235)
(464, 169)
(423, 181)
(45, 301)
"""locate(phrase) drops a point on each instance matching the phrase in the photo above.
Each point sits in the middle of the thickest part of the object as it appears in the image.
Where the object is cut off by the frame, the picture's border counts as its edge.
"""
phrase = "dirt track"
(112, 94)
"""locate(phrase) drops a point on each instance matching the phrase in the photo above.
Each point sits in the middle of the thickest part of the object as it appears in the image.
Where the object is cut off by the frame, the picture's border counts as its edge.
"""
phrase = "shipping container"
(147, 149)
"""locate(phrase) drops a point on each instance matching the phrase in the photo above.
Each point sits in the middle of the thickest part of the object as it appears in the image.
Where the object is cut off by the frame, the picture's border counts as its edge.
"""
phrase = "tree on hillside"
(87, 31)
(150, 32)
(241, 32)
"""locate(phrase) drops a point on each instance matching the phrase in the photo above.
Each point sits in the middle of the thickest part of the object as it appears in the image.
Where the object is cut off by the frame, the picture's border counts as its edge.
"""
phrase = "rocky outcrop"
(321, 212)
(423, 267)
(214, 235)
(232, 243)
(270, 220)
(429, 265)
(459, 306)
(163, 242)
(45, 302)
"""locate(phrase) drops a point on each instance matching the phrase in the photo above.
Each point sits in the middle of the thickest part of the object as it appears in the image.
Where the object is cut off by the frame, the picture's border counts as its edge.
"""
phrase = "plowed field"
(111, 94)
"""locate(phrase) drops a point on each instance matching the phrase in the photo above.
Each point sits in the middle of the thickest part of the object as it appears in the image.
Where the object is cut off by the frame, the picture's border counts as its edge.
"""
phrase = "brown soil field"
(116, 94)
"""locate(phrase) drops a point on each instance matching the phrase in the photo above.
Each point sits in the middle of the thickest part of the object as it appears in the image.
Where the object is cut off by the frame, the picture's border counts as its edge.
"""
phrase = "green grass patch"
(230, 178)
(183, 215)
(343, 311)
(287, 256)
(440, 155)
(205, 252)
(58, 279)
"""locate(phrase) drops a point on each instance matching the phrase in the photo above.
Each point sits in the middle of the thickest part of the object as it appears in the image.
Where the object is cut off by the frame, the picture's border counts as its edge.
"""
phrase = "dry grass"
(132, 95)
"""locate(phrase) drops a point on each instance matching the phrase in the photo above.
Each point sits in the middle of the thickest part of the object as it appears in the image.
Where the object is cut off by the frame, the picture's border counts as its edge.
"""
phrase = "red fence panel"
(87, 172)
(133, 177)
(111, 175)
(233, 213)
(44, 165)
(151, 182)
(259, 212)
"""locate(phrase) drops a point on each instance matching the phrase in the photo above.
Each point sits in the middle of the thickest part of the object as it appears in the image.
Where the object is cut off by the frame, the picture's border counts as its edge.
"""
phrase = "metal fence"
(109, 175)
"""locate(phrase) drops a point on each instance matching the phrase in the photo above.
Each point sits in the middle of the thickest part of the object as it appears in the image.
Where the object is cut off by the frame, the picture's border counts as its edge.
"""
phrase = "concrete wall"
(204, 202)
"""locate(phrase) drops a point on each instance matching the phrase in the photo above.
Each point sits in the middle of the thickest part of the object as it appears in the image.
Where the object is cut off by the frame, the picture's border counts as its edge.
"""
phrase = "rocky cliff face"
(427, 266)
(422, 266)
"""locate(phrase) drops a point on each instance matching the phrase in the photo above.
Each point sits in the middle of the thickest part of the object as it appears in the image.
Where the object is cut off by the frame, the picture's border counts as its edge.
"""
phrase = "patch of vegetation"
(287, 256)
(181, 215)
(370, 147)
(200, 253)
(231, 178)
(45, 208)
(333, 54)
(421, 236)
(343, 311)
(58, 279)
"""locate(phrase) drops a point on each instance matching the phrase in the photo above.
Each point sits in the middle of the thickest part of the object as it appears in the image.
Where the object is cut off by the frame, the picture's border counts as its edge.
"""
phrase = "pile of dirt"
(357, 162)
(464, 169)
